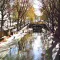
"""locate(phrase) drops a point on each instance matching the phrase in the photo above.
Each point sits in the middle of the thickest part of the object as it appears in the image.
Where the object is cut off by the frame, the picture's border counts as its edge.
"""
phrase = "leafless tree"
(3, 7)
(53, 11)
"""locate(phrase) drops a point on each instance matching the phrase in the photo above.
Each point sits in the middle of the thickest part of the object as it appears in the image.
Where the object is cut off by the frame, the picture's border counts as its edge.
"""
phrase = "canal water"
(32, 50)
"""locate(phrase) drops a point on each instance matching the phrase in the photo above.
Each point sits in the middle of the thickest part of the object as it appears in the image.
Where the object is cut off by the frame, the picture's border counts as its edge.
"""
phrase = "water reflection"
(37, 47)
(13, 51)
(12, 54)
(32, 50)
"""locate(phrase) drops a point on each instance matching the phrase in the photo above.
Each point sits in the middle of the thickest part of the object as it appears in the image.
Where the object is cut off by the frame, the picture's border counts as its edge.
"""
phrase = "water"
(37, 48)
(32, 50)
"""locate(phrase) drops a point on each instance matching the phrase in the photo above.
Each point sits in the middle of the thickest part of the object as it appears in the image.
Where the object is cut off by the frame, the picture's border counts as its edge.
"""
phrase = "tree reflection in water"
(32, 50)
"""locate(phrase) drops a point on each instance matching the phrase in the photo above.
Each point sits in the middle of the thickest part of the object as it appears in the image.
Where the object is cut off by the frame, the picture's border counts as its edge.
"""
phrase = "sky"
(37, 6)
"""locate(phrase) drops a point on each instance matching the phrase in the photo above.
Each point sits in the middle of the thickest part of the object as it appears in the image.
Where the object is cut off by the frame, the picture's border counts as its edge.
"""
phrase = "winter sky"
(37, 6)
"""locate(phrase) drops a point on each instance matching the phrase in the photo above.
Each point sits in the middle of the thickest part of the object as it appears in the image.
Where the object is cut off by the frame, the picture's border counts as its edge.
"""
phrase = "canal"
(32, 50)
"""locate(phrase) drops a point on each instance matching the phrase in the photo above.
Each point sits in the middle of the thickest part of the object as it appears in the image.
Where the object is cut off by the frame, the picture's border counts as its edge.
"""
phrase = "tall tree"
(21, 7)
(52, 8)
(30, 14)
(53, 11)
(3, 7)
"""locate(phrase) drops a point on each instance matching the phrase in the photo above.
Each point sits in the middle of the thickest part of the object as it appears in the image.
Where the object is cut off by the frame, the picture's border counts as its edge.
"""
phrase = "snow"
(14, 37)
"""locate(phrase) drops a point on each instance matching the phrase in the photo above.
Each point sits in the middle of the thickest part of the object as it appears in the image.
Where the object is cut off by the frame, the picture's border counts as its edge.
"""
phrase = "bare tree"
(3, 7)
(53, 10)
(21, 7)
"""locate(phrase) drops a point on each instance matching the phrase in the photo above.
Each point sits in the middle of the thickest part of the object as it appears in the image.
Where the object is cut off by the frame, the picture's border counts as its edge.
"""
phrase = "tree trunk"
(52, 21)
(59, 25)
(17, 24)
(2, 23)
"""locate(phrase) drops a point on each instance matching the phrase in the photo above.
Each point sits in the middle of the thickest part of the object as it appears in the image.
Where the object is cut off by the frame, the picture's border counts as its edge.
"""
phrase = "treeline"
(51, 9)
